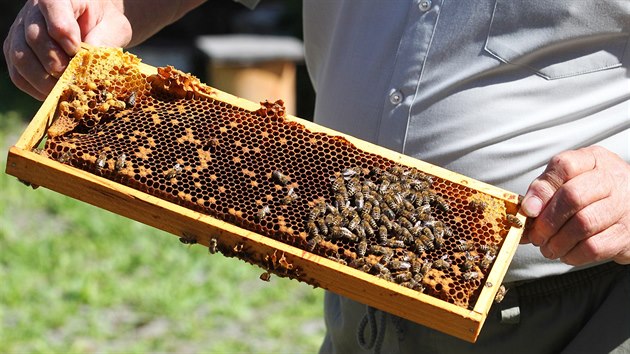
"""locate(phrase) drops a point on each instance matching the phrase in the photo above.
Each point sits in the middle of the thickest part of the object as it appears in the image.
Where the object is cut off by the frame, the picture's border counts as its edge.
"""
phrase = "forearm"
(149, 16)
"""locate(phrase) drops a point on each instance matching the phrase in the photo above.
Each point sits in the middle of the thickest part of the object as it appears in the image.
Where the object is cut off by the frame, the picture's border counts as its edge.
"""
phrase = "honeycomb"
(165, 134)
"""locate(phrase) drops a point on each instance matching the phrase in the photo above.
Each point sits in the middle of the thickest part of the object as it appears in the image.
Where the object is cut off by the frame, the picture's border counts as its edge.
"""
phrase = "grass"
(78, 279)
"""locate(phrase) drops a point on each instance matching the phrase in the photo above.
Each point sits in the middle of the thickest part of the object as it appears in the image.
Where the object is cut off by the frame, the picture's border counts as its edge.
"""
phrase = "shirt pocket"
(557, 39)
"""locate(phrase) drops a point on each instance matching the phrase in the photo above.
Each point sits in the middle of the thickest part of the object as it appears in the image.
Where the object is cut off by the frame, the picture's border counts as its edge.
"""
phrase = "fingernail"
(531, 206)
(69, 46)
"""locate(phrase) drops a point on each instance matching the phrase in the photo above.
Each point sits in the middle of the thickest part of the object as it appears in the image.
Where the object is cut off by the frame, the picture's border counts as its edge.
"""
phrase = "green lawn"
(78, 279)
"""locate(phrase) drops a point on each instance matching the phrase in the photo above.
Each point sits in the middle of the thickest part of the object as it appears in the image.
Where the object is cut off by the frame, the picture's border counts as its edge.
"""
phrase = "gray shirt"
(491, 89)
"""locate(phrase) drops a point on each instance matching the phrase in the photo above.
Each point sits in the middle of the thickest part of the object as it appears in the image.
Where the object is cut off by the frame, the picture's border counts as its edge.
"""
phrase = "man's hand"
(581, 206)
(46, 33)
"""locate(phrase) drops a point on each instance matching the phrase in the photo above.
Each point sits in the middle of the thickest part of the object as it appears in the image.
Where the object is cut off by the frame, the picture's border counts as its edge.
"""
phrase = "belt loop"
(509, 308)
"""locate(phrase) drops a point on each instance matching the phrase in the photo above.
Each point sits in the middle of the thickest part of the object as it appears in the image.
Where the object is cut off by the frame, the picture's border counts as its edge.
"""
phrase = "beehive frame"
(271, 254)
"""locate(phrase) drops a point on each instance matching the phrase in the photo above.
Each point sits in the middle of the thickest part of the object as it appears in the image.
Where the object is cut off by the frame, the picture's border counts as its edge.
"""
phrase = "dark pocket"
(558, 39)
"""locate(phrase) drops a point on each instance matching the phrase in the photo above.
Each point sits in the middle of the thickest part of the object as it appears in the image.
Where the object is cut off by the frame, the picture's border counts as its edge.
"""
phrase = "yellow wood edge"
(499, 269)
(178, 220)
(459, 322)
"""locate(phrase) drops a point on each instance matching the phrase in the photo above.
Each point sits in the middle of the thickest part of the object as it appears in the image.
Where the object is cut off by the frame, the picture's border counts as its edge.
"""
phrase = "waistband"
(558, 283)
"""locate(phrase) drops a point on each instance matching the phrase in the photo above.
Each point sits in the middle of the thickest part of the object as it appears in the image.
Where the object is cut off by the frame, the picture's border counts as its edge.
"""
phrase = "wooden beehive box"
(259, 206)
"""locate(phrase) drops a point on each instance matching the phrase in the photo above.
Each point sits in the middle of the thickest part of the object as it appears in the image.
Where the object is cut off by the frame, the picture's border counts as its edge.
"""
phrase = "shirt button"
(395, 97)
(424, 5)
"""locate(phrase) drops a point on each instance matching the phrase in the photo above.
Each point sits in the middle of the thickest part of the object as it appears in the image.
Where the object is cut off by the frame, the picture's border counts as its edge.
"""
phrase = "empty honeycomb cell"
(261, 172)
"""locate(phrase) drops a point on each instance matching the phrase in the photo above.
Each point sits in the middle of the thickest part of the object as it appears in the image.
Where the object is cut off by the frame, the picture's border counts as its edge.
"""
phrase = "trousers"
(585, 311)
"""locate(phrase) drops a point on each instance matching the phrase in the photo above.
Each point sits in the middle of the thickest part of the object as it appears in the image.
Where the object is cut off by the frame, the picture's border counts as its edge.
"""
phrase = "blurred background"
(78, 279)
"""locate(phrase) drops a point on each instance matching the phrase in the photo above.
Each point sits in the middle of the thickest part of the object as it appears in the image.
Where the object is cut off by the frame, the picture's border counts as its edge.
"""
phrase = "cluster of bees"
(389, 218)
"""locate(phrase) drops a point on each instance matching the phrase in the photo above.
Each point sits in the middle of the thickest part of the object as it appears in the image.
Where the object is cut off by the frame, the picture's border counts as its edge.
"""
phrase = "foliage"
(76, 278)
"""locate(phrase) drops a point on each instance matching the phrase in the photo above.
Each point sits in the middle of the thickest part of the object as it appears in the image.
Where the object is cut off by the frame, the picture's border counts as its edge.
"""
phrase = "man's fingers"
(600, 247)
(113, 31)
(25, 69)
(52, 57)
(588, 222)
(560, 169)
(570, 198)
(61, 24)
(25, 86)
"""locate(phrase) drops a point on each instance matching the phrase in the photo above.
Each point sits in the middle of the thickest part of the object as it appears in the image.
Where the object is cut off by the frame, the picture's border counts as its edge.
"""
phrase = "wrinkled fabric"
(491, 89)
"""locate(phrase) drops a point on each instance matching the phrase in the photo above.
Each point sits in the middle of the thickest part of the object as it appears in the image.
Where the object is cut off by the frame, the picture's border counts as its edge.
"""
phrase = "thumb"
(114, 31)
(562, 168)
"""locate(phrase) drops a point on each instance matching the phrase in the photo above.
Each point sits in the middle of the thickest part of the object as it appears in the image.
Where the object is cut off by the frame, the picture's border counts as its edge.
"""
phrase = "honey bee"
(404, 222)
(381, 270)
(419, 185)
(419, 246)
(442, 263)
(352, 186)
(513, 221)
(405, 236)
(312, 229)
(323, 227)
(375, 212)
(464, 245)
(416, 266)
(188, 239)
(485, 248)
(359, 200)
(486, 260)
(280, 178)
(335, 220)
(409, 215)
(500, 294)
(102, 95)
(362, 248)
(478, 206)
(262, 213)
(395, 243)
(290, 197)
(338, 184)
(398, 265)
(318, 209)
(121, 161)
(131, 100)
(384, 186)
(368, 228)
(354, 222)
(426, 238)
(382, 234)
(385, 210)
(65, 157)
(441, 203)
(213, 246)
(403, 277)
(369, 198)
(351, 172)
(313, 241)
(396, 170)
(468, 264)
(438, 241)
(366, 210)
(101, 161)
(360, 231)
(211, 144)
(343, 232)
(426, 267)
(174, 172)
(391, 202)
(266, 276)
(468, 276)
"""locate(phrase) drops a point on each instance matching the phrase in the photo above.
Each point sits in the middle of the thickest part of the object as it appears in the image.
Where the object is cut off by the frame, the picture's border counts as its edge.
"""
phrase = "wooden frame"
(466, 324)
